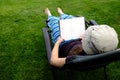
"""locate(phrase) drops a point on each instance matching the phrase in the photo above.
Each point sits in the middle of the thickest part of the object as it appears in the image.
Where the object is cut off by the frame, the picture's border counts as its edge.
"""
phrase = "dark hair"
(74, 47)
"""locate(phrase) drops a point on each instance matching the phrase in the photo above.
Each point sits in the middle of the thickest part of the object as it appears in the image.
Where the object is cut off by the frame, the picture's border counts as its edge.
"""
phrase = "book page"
(72, 28)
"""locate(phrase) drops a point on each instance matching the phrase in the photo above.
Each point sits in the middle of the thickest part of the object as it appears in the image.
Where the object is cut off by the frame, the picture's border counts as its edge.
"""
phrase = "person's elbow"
(52, 62)
(57, 62)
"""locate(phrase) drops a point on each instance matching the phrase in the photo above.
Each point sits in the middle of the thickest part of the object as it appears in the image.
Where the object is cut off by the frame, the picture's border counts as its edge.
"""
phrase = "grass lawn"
(22, 50)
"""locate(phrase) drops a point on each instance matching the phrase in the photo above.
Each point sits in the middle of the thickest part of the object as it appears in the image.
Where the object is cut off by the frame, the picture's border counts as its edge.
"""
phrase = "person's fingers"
(60, 40)
(80, 36)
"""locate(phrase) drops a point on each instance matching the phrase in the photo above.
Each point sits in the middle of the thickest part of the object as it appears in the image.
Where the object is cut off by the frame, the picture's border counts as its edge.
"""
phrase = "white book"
(72, 28)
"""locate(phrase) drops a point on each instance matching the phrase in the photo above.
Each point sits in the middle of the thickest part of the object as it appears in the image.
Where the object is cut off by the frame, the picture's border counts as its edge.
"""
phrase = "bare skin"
(47, 12)
(55, 60)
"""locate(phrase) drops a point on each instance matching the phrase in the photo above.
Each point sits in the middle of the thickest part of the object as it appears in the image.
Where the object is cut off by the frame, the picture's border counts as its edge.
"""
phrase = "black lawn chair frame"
(82, 62)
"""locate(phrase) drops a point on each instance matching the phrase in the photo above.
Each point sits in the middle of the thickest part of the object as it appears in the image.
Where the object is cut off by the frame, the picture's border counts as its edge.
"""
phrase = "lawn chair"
(82, 62)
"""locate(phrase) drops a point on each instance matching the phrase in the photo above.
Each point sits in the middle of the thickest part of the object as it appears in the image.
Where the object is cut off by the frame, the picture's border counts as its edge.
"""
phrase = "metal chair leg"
(105, 73)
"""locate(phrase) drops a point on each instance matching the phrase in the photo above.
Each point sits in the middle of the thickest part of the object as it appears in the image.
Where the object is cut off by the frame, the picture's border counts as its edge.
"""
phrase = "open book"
(72, 28)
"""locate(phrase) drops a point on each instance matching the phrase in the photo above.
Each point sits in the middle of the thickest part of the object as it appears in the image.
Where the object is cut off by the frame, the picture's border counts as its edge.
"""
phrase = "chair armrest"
(88, 62)
(92, 22)
(47, 42)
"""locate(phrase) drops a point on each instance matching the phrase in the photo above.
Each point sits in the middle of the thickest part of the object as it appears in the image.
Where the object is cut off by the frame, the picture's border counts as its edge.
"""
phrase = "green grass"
(22, 50)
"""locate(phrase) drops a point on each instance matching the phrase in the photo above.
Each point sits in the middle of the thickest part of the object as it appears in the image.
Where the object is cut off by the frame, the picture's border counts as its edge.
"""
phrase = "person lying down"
(96, 39)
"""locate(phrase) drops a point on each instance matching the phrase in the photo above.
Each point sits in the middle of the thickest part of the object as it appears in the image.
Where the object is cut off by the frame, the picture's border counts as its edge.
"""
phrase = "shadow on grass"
(97, 74)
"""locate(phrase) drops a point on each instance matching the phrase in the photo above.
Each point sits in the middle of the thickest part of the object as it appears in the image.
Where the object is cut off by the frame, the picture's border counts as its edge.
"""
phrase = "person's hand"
(80, 36)
(59, 40)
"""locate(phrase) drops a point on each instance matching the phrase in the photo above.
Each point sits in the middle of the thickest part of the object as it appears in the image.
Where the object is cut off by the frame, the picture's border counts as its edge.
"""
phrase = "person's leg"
(52, 23)
(63, 15)
(47, 12)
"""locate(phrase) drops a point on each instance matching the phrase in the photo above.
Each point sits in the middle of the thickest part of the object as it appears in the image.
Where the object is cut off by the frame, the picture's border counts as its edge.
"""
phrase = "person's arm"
(55, 60)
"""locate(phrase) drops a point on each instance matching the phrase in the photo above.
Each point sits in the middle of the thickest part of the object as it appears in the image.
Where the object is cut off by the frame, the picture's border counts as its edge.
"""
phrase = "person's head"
(71, 48)
(99, 39)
